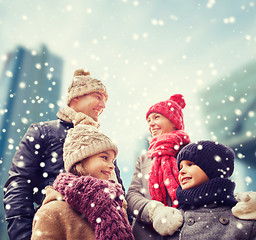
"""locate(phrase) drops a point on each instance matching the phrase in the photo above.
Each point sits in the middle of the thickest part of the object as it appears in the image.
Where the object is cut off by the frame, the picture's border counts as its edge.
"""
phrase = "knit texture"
(164, 172)
(83, 84)
(84, 141)
(99, 201)
(171, 109)
(246, 206)
(215, 159)
(68, 114)
(218, 191)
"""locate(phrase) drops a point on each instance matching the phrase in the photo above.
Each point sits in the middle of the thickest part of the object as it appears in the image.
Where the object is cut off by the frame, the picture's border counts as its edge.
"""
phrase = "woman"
(151, 196)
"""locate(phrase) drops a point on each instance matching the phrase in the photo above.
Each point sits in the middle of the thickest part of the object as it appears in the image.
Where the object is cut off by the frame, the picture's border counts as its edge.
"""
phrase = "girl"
(87, 204)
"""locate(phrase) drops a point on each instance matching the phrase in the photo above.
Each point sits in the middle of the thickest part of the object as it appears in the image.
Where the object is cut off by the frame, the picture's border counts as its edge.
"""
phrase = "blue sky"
(144, 51)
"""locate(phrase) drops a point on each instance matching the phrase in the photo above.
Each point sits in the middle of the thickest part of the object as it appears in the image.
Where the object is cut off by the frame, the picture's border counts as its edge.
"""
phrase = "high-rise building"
(30, 90)
(230, 109)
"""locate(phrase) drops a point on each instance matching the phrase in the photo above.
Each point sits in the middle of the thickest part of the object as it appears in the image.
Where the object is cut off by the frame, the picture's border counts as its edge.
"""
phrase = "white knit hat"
(84, 141)
(82, 84)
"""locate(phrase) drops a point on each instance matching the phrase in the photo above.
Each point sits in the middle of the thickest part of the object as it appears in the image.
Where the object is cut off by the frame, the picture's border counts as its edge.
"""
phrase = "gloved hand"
(246, 206)
(166, 220)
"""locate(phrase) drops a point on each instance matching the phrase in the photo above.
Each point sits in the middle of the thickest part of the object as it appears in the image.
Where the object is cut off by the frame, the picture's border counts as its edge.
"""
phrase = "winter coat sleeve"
(18, 198)
(253, 233)
(138, 194)
(119, 179)
(46, 225)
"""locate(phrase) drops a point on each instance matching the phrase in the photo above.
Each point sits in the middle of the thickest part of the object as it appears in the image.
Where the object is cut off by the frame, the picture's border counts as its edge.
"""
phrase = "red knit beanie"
(171, 109)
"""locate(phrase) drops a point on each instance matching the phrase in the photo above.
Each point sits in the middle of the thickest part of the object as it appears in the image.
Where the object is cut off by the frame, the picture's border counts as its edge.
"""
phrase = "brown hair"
(78, 170)
(74, 171)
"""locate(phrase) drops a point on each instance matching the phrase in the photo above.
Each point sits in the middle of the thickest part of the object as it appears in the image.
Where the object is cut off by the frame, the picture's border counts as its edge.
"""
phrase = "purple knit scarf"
(99, 201)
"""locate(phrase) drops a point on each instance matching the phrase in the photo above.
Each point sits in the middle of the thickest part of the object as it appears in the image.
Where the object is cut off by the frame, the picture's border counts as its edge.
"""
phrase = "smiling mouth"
(185, 180)
(97, 111)
(107, 173)
(155, 130)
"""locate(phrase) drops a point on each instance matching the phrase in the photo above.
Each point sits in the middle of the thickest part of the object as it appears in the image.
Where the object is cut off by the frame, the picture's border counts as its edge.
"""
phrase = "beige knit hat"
(84, 141)
(83, 84)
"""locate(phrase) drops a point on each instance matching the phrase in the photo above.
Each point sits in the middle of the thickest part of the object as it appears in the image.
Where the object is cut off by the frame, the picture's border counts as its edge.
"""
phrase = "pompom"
(81, 72)
(178, 98)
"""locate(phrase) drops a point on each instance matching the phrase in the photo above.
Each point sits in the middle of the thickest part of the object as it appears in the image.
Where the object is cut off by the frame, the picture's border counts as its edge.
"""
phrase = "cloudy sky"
(143, 50)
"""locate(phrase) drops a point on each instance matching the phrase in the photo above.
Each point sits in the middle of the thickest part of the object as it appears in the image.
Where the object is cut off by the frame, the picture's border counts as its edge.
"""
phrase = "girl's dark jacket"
(35, 165)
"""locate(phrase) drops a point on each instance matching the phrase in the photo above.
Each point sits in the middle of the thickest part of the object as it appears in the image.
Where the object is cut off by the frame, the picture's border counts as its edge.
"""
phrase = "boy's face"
(191, 175)
(159, 124)
(100, 165)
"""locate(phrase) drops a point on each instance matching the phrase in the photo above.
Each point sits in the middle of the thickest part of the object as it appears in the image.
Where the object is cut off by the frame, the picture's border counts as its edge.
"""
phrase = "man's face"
(91, 104)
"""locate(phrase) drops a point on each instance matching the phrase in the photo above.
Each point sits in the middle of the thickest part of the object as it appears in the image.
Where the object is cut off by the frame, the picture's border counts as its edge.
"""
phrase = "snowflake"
(135, 212)
(8, 207)
(239, 226)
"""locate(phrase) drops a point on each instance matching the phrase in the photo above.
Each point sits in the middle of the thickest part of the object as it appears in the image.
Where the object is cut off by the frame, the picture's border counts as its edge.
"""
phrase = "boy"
(206, 195)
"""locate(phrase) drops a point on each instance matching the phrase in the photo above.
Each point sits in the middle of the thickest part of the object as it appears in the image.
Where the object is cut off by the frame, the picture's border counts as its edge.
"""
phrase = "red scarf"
(164, 171)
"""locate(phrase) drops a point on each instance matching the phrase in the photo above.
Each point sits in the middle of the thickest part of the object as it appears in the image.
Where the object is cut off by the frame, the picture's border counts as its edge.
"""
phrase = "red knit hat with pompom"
(171, 109)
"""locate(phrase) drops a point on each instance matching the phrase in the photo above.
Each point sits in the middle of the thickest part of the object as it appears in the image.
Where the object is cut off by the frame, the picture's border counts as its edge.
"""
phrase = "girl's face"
(191, 175)
(159, 124)
(100, 165)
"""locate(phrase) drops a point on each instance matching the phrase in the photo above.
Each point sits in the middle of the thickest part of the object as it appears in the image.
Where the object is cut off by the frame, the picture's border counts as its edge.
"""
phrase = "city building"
(230, 109)
(30, 90)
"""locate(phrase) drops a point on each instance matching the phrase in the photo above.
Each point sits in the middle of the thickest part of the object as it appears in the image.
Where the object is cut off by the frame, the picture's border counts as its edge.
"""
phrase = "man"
(38, 159)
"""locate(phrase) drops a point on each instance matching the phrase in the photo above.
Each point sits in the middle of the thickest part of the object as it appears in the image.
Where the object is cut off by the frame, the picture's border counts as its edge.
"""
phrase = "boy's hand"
(246, 206)
(166, 220)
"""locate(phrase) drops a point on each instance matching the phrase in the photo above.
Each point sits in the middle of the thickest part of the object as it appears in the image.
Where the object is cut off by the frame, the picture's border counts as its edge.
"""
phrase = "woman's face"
(159, 124)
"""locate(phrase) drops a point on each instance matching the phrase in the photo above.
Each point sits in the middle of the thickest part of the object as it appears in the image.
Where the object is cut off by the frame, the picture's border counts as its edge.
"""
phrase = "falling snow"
(144, 52)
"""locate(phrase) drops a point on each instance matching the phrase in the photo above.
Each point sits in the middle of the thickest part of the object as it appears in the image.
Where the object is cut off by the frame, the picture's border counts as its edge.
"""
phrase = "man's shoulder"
(57, 123)
(54, 122)
(45, 123)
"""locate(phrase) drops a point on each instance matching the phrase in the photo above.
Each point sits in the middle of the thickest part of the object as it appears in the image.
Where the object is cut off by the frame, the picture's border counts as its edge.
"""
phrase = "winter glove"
(166, 220)
(246, 206)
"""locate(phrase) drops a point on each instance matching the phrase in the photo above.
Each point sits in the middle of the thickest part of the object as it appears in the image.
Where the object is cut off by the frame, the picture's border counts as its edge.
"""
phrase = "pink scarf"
(164, 171)
(99, 201)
